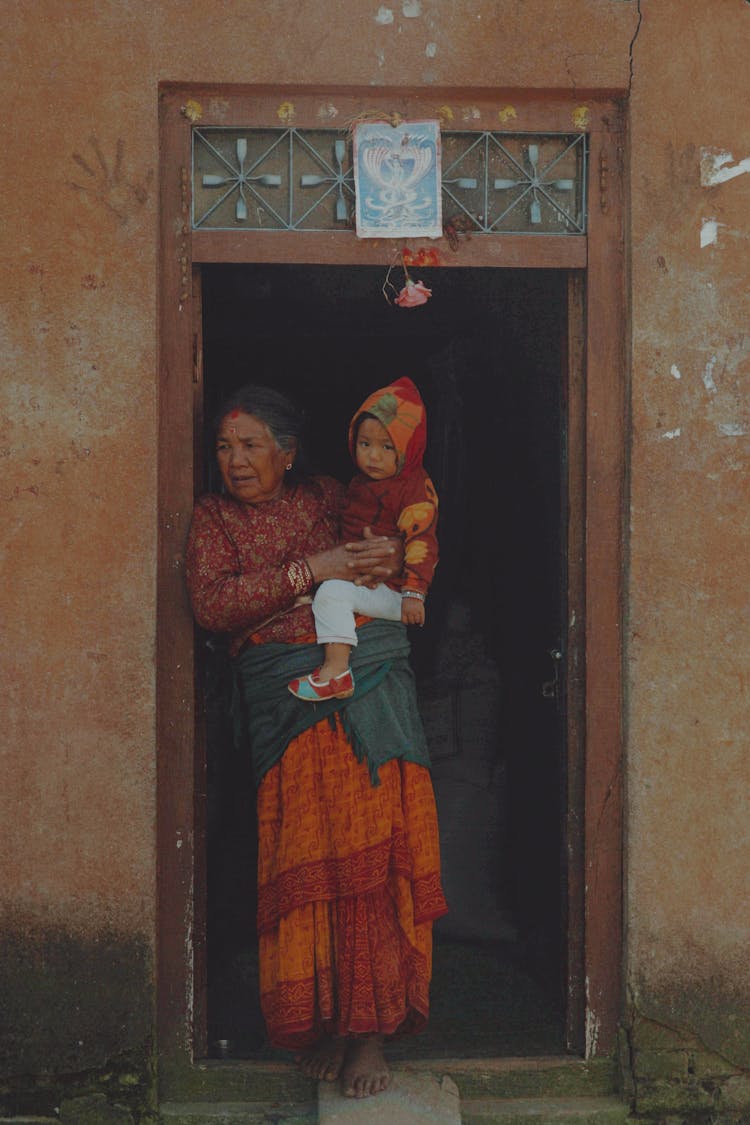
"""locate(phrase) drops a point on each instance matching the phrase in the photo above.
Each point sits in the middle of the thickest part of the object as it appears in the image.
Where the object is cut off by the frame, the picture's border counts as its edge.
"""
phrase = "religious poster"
(397, 177)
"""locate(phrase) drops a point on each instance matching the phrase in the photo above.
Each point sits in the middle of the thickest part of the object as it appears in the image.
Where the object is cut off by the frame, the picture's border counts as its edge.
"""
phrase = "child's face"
(375, 452)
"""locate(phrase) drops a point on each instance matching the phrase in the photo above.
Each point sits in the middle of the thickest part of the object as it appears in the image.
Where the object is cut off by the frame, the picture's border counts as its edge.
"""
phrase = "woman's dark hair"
(284, 417)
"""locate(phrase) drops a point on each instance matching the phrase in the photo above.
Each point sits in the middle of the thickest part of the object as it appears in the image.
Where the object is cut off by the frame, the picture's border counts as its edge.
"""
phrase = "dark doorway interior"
(487, 355)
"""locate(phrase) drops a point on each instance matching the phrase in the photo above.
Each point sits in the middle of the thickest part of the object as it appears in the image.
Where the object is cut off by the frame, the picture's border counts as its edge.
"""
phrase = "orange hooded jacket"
(405, 504)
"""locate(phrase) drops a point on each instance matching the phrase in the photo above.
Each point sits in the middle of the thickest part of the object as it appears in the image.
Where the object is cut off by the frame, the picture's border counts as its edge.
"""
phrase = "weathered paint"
(193, 110)
(708, 376)
(709, 232)
(688, 907)
(580, 117)
(218, 108)
(719, 167)
(592, 1034)
(77, 1004)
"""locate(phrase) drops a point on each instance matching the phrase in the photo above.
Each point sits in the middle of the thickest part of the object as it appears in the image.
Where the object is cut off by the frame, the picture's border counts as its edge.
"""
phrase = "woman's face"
(251, 464)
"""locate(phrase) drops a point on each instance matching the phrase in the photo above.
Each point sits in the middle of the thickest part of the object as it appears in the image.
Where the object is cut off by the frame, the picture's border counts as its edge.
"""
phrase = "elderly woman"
(348, 866)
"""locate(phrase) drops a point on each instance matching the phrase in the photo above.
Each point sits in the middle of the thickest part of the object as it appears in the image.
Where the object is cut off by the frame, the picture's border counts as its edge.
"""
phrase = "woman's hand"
(375, 558)
(366, 562)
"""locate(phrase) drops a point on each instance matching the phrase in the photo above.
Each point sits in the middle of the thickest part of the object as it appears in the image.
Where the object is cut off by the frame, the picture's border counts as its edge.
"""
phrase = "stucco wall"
(79, 348)
(687, 721)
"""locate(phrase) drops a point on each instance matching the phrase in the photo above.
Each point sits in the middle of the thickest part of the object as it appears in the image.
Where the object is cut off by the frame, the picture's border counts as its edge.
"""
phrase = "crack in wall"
(632, 45)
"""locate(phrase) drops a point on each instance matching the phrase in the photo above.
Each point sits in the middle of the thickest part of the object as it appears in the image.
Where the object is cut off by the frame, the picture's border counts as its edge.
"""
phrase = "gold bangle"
(300, 576)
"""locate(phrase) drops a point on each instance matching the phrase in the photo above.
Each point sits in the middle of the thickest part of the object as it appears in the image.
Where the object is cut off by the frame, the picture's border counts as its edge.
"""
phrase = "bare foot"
(323, 1060)
(365, 1071)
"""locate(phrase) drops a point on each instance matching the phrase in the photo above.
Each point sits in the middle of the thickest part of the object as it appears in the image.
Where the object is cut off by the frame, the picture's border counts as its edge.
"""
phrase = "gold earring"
(289, 466)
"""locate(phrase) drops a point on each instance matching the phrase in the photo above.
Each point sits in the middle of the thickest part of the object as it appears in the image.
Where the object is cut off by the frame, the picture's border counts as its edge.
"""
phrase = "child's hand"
(412, 611)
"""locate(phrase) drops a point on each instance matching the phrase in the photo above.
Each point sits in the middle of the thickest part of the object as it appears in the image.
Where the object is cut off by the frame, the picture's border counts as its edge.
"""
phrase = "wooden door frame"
(596, 427)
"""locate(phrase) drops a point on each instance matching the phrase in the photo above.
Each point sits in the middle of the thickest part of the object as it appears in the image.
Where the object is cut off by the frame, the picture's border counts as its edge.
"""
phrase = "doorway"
(594, 420)
(488, 353)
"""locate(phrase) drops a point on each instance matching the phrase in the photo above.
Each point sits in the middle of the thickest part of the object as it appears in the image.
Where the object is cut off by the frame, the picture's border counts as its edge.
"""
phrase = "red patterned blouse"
(239, 556)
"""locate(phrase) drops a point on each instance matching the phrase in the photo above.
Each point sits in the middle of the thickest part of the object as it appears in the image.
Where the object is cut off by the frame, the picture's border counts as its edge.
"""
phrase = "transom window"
(493, 183)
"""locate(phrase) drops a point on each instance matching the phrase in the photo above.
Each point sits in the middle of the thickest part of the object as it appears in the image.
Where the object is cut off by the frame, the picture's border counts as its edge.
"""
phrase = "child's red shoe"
(312, 690)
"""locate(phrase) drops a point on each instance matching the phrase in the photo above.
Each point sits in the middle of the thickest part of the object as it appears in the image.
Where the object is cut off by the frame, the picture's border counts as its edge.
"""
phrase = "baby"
(392, 495)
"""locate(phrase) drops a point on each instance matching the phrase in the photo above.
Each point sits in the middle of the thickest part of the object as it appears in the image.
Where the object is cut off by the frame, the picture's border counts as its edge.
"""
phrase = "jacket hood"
(400, 409)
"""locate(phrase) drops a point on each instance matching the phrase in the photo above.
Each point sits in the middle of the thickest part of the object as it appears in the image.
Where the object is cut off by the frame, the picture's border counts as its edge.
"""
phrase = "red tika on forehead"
(235, 414)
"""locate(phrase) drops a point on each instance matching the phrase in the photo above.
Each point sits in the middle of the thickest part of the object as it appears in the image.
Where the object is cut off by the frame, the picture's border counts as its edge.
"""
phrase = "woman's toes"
(365, 1071)
(323, 1061)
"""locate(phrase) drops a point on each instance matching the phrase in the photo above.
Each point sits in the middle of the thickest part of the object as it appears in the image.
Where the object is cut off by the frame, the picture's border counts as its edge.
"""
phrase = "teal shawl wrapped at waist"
(381, 719)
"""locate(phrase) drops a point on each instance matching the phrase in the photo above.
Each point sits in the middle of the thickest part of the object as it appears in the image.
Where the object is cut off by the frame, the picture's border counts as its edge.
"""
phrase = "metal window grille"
(303, 179)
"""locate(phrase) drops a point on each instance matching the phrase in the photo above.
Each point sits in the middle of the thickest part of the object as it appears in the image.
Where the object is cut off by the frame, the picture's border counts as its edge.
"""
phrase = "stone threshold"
(522, 1091)
(238, 1081)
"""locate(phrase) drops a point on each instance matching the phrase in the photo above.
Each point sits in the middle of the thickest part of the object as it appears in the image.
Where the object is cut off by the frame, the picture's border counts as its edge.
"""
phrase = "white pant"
(336, 602)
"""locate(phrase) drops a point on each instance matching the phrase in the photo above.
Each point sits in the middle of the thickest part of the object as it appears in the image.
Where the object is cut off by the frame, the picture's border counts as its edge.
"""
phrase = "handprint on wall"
(108, 184)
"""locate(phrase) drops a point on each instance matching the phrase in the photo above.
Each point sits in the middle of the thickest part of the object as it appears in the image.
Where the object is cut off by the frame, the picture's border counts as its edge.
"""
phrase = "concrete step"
(411, 1099)
(238, 1113)
(404, 1104)
(555, 1090)
(544, 1111)
(220, 1080)
(506, 1078)
(29, 1120)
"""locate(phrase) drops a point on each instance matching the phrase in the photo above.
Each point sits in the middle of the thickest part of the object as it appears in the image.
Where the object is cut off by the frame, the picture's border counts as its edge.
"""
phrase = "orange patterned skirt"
(348, 888)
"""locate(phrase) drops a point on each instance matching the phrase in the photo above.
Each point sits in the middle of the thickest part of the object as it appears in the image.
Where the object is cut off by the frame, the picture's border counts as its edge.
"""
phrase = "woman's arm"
(224, 598)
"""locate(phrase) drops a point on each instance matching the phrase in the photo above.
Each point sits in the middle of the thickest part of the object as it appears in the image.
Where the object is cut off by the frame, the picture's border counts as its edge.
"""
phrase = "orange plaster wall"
(77, 417)
(77, 408)
(689, 625)
(79, 339)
